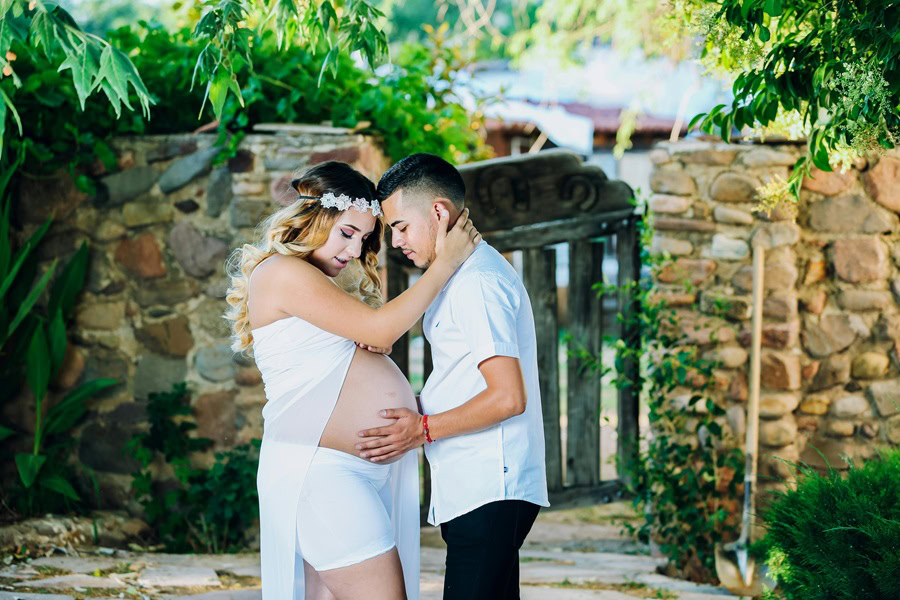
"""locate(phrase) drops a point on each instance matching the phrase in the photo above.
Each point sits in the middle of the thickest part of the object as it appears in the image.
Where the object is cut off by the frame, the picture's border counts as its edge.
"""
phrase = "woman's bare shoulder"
(275, 268)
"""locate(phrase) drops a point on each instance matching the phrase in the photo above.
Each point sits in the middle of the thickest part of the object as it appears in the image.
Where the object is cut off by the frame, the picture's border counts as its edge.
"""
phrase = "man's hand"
(385, 351)
(405, 434)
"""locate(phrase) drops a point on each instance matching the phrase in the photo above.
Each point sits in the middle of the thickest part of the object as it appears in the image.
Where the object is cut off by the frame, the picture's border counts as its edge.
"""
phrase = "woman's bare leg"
(378, 578)
(315, 587)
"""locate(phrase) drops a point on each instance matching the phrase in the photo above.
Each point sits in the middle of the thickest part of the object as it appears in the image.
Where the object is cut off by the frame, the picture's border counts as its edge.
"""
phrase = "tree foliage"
(225, 34)
(486, 27)
(832, 66)
(412, 105)
(93, 62)
(566, 30)
(828, 71)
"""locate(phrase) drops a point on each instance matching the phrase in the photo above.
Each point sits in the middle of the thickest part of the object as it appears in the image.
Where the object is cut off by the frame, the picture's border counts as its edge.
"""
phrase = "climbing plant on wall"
(685, 478)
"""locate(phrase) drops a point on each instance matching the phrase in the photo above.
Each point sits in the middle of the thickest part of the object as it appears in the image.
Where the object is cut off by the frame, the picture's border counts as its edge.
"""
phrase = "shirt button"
(505, 469)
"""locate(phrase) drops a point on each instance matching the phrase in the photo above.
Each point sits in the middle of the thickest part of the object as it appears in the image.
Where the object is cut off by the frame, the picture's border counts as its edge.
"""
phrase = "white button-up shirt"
(482, 311)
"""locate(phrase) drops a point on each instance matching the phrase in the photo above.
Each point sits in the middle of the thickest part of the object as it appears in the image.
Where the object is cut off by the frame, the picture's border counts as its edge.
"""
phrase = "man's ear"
(437, 205)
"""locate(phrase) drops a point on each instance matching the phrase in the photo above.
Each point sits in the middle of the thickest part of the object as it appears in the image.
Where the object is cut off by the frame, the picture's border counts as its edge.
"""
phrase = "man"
(481, 423)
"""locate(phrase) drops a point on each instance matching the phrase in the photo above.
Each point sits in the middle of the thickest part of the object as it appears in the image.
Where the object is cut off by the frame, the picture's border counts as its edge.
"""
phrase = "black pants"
(483, 550)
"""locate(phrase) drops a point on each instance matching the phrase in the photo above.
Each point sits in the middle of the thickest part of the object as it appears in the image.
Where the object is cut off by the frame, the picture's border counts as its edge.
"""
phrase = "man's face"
(413, 227)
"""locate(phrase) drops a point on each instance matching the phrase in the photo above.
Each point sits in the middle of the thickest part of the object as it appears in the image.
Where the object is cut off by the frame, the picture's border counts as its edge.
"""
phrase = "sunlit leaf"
(218, 91)
(774, 8)
(137, 83)
(820, 159)
(84, 66)
(113, 72)
(695, 120)
(45, 32)
(330, 62)
(327, 15)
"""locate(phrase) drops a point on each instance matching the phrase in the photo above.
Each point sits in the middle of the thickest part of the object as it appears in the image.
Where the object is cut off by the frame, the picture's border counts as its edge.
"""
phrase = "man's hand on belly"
(407, 433)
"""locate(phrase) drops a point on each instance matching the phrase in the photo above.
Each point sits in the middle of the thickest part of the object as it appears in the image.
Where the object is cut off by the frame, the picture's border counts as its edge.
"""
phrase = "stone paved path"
(564, 558)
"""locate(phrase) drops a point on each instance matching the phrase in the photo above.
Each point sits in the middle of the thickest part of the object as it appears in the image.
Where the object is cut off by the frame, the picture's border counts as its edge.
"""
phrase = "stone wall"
(831, 330)
(159, 232)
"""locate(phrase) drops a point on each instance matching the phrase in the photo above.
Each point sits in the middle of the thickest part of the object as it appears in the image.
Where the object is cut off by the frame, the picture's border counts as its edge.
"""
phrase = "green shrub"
(837, 537)
(201, 509)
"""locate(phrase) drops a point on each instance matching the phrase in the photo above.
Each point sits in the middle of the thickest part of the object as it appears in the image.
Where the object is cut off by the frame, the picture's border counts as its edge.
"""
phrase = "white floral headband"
(344, 202)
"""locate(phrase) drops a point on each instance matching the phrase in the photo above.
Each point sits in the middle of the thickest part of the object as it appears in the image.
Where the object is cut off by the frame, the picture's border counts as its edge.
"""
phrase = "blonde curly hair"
(298, 230)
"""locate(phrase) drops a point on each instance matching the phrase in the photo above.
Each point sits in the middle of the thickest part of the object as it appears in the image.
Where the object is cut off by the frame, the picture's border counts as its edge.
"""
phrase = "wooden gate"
(537, 206)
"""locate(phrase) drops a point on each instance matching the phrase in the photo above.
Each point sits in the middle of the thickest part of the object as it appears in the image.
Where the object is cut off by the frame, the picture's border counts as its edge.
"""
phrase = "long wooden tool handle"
(759, 259)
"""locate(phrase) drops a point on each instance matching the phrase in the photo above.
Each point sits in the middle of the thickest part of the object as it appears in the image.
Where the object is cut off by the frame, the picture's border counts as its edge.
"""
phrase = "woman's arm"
(305, 292)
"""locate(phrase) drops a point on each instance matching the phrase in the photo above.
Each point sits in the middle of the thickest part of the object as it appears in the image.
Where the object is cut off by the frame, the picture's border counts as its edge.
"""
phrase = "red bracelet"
(425, 427)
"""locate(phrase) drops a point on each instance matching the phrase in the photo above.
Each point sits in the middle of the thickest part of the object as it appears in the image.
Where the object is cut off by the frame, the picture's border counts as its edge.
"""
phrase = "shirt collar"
(460, 267)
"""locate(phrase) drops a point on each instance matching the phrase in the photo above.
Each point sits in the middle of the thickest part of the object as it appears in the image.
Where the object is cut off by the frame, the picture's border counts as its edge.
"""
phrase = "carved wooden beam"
(509, 192)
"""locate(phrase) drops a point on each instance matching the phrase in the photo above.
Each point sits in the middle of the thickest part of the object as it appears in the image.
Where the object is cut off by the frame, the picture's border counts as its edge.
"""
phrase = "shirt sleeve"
(485, 308)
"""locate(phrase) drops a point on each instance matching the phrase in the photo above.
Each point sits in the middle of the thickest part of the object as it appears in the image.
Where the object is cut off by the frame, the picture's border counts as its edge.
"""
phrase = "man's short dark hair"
(424, 173)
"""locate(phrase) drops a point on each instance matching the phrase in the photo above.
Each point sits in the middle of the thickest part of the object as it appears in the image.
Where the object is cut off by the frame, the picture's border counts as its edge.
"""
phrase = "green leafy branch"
(330, 28)
(225, 30)
(836, 64)
(825, 71)
(94, 63)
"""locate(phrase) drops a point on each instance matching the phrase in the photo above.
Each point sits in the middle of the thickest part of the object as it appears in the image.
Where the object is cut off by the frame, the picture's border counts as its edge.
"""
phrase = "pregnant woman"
(333, 525)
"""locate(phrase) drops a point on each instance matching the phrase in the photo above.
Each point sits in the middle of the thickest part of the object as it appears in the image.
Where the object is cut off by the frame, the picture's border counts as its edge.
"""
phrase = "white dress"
(303, 368)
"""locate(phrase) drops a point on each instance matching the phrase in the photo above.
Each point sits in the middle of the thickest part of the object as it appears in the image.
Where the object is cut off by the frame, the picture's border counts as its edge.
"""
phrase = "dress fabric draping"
(303, 369)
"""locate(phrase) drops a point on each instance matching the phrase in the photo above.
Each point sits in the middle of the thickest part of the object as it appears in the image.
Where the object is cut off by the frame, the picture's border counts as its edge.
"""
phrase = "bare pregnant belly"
(373, 383)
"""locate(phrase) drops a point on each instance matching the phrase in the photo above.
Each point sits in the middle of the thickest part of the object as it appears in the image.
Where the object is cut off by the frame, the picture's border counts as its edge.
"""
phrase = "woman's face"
(345, 242)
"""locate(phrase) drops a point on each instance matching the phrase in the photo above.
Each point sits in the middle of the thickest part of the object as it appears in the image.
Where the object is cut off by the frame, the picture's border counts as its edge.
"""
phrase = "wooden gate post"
(628, 250)
(583, 442)
(540, 281)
